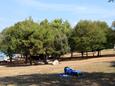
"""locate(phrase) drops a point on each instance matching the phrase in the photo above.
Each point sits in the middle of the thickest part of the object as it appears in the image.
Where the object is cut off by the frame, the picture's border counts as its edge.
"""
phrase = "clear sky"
(12, 11)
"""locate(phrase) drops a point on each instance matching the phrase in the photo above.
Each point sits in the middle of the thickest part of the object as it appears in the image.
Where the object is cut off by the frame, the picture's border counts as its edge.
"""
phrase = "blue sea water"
(2, 56)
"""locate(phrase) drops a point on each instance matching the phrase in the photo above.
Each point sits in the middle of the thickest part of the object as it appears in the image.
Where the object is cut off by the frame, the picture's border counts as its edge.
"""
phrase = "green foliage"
(89, 36)
(31, 39)
(55, 38)
(110, 39)
(113, 25)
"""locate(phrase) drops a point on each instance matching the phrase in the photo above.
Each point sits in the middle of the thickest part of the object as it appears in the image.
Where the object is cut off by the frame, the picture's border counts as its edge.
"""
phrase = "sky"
(12, 11)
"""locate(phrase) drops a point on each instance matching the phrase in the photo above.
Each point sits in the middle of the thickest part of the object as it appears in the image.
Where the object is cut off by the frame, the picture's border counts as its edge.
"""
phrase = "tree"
(72, 42)
(113, 24)
(102, 29)
(89, 36)
(111, 36)
(81, 37)
(61, 30)
(55, 38)
(8, 43)
(17, 38)
(29, 38)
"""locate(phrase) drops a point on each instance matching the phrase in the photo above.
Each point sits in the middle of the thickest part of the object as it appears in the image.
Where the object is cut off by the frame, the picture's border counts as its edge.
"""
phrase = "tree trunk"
(87, 54)
(30, 59)
(26, 59)
(45, 59)
(99, 53)
(71, 54)
(82, 54)
(93, 54)
(10, 59)
(21, 55)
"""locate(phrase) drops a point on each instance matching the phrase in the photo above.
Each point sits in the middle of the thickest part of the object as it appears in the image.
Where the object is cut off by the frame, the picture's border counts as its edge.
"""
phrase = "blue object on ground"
(69, 71)
(63, 75)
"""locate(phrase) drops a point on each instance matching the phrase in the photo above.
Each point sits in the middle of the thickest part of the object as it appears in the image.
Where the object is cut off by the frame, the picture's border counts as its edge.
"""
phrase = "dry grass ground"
(96, 72)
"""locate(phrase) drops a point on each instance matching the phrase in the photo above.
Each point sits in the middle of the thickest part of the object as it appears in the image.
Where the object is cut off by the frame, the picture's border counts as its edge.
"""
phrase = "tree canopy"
(32, 39)
(55, 38)
(89, 36)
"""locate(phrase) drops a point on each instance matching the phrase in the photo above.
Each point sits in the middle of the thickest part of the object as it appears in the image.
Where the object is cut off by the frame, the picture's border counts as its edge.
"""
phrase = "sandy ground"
(102, 64)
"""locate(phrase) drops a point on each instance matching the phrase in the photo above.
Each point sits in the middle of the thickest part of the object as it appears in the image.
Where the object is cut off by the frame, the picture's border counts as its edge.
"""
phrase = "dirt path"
(90, 65)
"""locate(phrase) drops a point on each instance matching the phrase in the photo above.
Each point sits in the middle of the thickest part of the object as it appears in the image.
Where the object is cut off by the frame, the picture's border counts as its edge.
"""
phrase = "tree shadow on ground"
(15, 65)
(85, 57)
(60, 59)
(88, 79)
(112, 64)
(21, 65)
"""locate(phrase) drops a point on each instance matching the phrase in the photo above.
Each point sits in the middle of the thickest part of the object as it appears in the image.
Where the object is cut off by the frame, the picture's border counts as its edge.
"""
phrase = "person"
(70, 71)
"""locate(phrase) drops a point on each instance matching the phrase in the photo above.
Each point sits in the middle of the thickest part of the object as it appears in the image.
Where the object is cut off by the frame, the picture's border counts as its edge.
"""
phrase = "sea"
(2, 56)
